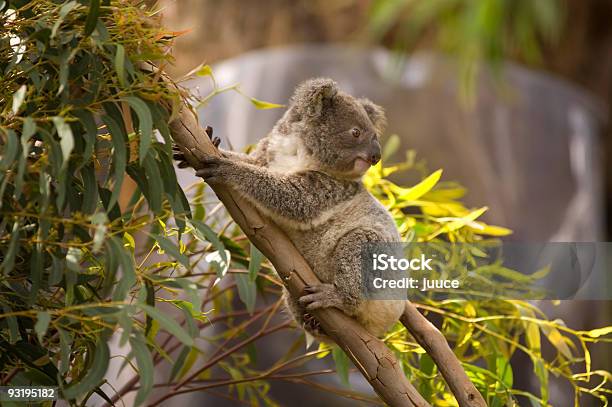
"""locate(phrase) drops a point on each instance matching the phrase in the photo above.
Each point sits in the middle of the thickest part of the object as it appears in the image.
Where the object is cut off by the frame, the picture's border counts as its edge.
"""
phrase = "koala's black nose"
(375, 158)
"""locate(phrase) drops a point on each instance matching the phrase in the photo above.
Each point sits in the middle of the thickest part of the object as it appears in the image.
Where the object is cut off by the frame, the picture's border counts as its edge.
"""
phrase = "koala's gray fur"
(306, 175)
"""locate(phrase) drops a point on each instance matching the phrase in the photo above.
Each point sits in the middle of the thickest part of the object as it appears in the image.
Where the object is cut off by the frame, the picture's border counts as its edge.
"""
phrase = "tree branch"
(432, 340)
(370, 355)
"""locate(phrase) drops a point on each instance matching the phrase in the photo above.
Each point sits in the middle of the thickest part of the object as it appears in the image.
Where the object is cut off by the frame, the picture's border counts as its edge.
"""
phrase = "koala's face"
(340, 132)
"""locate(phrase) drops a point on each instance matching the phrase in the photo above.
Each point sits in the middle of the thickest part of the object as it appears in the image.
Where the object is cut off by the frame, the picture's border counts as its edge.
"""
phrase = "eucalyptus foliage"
(97, 238)
(81, 108)
(489, 31)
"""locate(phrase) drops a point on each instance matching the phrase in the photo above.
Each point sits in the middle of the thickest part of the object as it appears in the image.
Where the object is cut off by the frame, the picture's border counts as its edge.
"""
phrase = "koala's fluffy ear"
(376, 115)
(312, 96)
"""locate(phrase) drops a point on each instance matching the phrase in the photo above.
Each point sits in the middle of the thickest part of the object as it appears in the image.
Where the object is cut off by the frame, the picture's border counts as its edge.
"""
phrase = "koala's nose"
(375, 157)
(374, 153)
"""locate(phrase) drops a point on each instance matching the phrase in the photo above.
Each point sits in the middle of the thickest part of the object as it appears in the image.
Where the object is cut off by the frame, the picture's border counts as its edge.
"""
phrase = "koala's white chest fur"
(287, 154)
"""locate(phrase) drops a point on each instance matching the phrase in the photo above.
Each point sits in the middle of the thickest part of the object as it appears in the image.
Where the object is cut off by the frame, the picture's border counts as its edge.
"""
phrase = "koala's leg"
(300, 196)
(345, 292)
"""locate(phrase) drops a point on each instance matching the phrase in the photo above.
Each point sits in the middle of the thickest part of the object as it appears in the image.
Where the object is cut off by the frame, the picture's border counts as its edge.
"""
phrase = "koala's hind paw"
(320, 296)
(312, 325)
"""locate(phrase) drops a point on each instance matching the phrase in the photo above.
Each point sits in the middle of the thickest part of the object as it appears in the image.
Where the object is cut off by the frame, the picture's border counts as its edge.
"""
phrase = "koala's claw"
(320, 296)
(311, 324)
(209, 132)
(215, 140)
(179, 156)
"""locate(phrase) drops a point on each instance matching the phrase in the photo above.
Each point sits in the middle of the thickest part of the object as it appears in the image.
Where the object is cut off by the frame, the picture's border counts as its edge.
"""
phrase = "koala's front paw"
(320, 296)
(215, 169)
(179, 156)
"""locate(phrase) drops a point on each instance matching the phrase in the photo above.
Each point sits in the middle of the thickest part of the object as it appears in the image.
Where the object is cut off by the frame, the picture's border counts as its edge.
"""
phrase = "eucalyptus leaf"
(145, 125)
(66, 138)
(18, 98)
(145, 368)
(247, 290)
(167, 323)
(42, 324)
(95, 374)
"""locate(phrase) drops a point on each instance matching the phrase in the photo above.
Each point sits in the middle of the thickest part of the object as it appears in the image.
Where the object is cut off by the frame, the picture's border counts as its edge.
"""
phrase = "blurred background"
(511, 98)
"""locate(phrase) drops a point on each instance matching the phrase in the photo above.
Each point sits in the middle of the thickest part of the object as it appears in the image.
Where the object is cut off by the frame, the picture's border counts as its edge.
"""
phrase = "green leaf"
(42, 324)
(154, 184)
(260, 104)
(204, 233)
(95, 374)
(64, 10)
(13, 325)
(120, 64)
(29, 129)
(66, 137)
(92, 17)
(90, 135)
(255, 262)
(90, 189)
(171, 249)
(167, 323)
(145, 368)
(145, 125)
(342, 364)
(65, 350)
(247, 290)
(504, 371)
(179, 363)
(124, 259)
(18, 98)
(119, 157)
(9, 256)
(390, 147)
(10, 151)
(63, 71)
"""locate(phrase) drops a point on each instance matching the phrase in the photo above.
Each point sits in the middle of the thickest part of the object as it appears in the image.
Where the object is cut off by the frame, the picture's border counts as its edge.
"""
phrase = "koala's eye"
(355, 132)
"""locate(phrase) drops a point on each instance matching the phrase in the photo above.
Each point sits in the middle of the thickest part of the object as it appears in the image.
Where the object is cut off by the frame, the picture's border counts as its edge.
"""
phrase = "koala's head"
(340, 132)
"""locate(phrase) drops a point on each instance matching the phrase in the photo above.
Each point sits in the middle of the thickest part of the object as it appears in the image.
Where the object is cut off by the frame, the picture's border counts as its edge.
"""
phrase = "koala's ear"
(376, 115)
(312, 96)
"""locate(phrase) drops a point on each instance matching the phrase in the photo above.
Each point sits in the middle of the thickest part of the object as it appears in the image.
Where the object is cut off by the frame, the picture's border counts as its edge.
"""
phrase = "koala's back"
(362, 211)
(318, 245)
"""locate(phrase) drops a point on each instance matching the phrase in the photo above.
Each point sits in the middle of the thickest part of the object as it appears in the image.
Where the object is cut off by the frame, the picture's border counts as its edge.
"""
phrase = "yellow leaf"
(459, 223)
(596, 333)
(205, 70)
(260, 104)
(420, 189)
(483, 229)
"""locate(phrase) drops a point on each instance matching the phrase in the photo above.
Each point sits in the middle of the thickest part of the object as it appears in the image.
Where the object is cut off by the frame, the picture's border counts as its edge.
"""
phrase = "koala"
(306, 176)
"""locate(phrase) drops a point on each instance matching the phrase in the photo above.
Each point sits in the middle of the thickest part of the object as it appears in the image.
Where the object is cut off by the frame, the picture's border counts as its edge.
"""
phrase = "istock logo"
(385, 262)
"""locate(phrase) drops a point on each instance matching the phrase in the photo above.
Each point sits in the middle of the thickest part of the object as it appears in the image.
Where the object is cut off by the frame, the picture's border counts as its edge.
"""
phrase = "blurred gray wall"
(528, 147)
